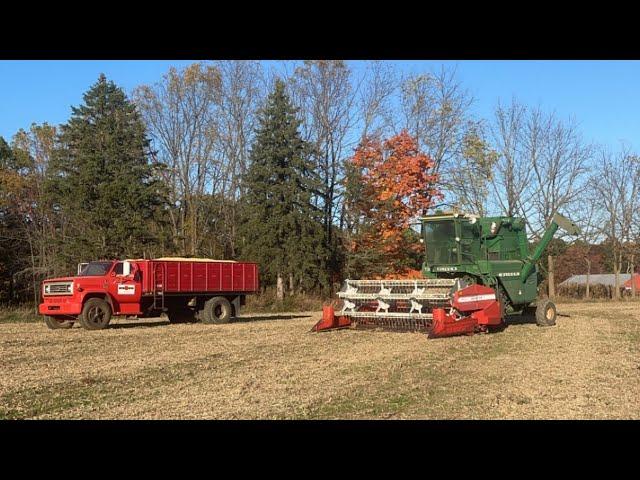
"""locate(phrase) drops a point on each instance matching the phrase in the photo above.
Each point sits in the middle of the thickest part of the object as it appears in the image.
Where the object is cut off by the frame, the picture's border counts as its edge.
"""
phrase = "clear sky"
(602, 96)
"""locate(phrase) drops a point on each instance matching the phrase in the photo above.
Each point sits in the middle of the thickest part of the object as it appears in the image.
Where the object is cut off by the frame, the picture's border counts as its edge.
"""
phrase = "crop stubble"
(586, 367)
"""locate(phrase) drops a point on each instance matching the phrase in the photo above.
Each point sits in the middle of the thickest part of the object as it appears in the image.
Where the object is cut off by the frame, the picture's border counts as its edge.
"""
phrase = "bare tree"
(617, 183)
(559, 161)
(377, 88)
(241, 91)
(323, 91)
(469, 187)
(589, 218)
(180, 112)
(512, 170)
(435, 107)
(628, 192)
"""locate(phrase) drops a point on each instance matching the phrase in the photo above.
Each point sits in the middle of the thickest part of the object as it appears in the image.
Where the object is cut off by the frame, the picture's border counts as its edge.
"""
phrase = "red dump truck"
(186, 289)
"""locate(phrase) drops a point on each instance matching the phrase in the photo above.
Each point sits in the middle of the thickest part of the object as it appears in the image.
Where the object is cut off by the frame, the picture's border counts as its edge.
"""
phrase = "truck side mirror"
(126, 268)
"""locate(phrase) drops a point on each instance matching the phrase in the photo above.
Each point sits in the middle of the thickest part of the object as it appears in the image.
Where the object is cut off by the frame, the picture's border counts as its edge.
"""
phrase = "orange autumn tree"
(390, 184)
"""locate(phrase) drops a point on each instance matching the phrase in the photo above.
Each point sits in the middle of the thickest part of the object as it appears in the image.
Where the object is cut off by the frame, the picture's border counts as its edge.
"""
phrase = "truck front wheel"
(96, 314)
(216, 310)
(56, 322)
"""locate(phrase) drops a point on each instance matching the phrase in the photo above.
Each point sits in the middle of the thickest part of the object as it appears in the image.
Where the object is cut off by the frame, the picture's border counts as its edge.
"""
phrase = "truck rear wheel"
(546, 313)
(56, 322)
(96, 314)
(216, 310)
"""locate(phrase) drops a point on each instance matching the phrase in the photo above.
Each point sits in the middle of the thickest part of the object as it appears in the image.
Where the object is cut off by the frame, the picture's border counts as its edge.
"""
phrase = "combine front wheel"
(546, 313)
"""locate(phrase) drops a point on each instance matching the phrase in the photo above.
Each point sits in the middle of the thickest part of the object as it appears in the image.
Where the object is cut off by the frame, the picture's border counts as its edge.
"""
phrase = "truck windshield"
(95, 269)
(439, 239)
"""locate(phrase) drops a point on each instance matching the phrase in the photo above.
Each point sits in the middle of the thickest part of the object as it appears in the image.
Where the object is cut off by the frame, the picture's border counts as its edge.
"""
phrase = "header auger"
(477, 271)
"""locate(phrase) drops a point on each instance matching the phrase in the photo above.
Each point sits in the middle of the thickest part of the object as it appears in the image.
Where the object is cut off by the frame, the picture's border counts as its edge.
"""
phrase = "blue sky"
(602, 96)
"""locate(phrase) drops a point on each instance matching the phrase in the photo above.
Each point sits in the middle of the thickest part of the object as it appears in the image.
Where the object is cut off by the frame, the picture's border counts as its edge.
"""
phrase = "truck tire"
(181, 315)
(56, 322)
(546, 313)
(216, 310)
(96, 314)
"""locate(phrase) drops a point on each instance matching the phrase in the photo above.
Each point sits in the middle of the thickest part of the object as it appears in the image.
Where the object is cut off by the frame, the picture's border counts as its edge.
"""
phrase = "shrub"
(267, 302)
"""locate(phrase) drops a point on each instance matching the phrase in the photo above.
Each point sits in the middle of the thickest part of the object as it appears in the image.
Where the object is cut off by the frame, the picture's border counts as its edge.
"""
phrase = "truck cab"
(118, 283)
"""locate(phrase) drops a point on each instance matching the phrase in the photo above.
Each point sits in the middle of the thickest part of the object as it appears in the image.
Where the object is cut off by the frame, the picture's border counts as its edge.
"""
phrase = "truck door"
(125, 289)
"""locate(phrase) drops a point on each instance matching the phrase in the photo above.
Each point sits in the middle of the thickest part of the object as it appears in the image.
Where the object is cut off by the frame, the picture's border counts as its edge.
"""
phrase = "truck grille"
(60, 288)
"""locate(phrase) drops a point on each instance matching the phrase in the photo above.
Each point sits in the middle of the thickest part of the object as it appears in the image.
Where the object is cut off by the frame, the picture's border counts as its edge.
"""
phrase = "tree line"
(316, 171)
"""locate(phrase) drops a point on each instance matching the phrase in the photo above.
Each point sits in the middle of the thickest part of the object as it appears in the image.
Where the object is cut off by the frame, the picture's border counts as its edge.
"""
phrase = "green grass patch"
(97, 392)
(19, 315)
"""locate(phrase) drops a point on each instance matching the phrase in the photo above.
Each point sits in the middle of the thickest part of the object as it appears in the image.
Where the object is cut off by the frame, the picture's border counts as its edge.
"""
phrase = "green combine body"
(476, 270)
(491, 251)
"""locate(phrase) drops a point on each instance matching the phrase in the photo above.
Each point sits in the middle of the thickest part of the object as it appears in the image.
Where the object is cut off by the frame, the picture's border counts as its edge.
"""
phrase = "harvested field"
(265, 367)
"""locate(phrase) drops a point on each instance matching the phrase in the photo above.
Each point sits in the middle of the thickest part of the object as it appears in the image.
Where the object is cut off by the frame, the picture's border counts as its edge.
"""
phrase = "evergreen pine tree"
(101, 178)
(6, 154)
(282, 230)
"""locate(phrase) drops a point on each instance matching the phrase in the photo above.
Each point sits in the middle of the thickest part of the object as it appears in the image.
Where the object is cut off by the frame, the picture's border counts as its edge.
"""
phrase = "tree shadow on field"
(163, 322)
(520, 320)
(274, 316)
(527, 319)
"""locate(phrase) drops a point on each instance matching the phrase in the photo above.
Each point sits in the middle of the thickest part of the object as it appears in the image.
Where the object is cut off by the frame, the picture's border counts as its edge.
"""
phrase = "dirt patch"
(270, 366)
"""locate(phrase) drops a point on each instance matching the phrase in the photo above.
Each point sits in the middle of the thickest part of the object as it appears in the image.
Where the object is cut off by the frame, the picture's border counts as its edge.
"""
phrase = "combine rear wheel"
(56, 322)
(546, 313)
(216, 310)
(95, 315)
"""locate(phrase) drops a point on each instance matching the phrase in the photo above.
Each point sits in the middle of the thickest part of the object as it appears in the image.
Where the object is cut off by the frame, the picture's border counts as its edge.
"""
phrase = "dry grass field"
(271, 367)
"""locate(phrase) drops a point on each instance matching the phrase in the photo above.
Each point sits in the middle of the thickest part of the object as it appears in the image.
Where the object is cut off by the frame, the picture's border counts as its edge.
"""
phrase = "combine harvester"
(477, 271)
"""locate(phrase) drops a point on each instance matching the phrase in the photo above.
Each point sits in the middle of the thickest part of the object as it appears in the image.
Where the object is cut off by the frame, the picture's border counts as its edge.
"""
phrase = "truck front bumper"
(60, 306)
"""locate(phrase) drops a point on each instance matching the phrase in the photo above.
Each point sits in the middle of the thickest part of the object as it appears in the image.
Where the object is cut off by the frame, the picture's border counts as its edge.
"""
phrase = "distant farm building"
(636, 280)
(600, 284)
(608, 279)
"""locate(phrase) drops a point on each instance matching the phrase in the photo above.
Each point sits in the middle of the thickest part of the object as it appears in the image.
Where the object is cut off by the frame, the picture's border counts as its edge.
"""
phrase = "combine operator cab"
(460, 243)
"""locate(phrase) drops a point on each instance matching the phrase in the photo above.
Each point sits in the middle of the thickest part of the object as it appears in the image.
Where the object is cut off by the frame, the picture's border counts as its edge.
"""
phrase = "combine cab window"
(469, 244)
(96, 269)
(439, 238)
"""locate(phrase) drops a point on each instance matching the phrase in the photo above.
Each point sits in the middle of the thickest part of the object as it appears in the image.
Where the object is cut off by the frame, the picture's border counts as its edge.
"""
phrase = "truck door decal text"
(124, 289)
